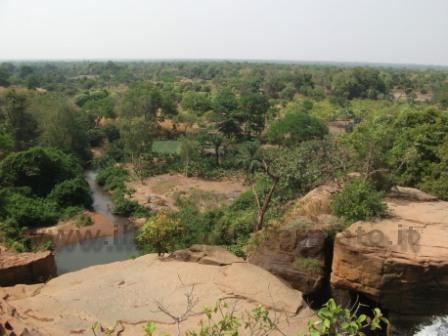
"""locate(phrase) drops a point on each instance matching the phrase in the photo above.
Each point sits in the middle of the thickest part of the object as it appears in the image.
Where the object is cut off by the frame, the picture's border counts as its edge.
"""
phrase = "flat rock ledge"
(401, 262)
(124, 296)
(26, 268)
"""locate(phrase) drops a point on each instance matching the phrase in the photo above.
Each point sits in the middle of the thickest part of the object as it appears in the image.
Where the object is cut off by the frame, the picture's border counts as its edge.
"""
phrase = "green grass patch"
(166, 146)
(311, 265)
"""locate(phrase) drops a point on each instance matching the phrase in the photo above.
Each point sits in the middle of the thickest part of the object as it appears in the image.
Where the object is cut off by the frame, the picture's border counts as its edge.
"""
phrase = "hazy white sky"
(390, 31)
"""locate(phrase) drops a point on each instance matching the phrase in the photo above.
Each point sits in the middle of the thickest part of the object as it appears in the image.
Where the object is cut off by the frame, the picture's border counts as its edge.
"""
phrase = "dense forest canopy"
(285, 128)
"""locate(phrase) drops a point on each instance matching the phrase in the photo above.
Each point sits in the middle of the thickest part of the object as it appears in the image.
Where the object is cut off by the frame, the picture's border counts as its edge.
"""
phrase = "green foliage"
(61, 125)
(38, 168)
(296, 127)
(358, 200)
(113, 179)
(308, 265)
(18, 122)
(359, 83)
(223, 320)
(12, 236)
(74, 192)
(141, 101)
(336, 320)
(29, 211)
(161, 233)
(166, 146)
(83, 220)
(197, 102)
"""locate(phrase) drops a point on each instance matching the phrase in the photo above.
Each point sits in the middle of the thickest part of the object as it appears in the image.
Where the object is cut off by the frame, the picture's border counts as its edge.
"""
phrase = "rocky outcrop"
(295, 255)
(26, 268)
(296, 250)
(207, 254)
(401, 262)
(123, 296)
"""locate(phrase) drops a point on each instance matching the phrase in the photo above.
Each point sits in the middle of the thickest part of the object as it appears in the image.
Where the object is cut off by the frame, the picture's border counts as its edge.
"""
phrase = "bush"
(74, 192)
(296, 127)
(30, 211)
(12, 236)
(112, 178)
(336, 320)
(358, 200)
(308, 264)
(126, 207)
(83, 220)
(161, 233)
(39, 169)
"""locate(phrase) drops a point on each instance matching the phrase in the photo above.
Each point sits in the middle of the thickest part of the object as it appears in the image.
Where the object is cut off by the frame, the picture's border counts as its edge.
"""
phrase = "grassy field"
(166, 146)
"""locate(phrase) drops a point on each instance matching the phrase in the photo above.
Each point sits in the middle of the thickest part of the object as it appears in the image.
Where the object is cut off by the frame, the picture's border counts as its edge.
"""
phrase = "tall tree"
(18, 121)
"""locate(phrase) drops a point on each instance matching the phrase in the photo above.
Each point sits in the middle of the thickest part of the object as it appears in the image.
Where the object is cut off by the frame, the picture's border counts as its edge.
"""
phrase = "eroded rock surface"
(26, 268)
(207, 254)
(401, 262)
(296, 250)
(125, 295)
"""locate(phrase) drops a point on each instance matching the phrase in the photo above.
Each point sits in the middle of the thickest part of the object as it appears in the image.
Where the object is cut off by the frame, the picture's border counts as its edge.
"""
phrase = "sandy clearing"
(161, 190)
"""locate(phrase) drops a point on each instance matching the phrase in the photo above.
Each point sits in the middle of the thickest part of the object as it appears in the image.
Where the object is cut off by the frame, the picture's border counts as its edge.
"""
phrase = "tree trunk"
(218, 163)
(262, 209)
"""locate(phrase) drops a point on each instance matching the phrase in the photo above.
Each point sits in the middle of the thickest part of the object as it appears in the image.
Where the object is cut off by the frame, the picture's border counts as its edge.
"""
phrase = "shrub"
(308, 264)
(296, 127)
(161, 233)
(83, 220)
(30, 211)
(74, 192)
(112, 178)
(336, 320)
(39, 169)
(223, 319)
(126, 207)
(12, 236)
(358, 200)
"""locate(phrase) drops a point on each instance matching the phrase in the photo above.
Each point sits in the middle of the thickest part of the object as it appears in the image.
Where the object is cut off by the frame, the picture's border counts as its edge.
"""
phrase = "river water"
(100, 250)
(121, 246)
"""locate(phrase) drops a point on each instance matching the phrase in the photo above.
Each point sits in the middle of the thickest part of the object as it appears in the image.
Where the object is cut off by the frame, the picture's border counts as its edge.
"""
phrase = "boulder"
(295, 255)
(401, 262)
(124, 296)
(26, 268)
(296, 249)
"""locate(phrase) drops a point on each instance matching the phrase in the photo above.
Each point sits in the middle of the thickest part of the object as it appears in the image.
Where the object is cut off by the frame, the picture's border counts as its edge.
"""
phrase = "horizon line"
(230, 60)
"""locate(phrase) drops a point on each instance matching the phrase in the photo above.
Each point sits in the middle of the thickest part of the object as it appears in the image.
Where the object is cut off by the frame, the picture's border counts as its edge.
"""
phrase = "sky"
(380, 31)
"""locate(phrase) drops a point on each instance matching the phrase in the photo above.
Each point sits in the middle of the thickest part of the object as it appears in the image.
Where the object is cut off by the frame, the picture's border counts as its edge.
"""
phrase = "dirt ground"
(67, 232)
(161, 191)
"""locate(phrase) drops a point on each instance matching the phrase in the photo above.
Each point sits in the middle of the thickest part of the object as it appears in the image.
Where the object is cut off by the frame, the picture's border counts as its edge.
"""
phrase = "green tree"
(189, 151)
(137, 138)
(295, 127)
(39, 169)
(142, 100)
(21, 125)
(253, 108)
(62, 126)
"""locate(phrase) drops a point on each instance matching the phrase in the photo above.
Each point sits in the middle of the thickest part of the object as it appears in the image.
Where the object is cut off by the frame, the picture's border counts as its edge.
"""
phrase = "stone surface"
(296, 250)
(285, 252)
(26, 268)
(125, 295)
(401, 262)
(12, 324)
(207, 254)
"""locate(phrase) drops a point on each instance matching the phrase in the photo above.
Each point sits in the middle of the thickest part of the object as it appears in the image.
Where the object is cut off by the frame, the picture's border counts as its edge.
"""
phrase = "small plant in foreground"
(334, 320)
